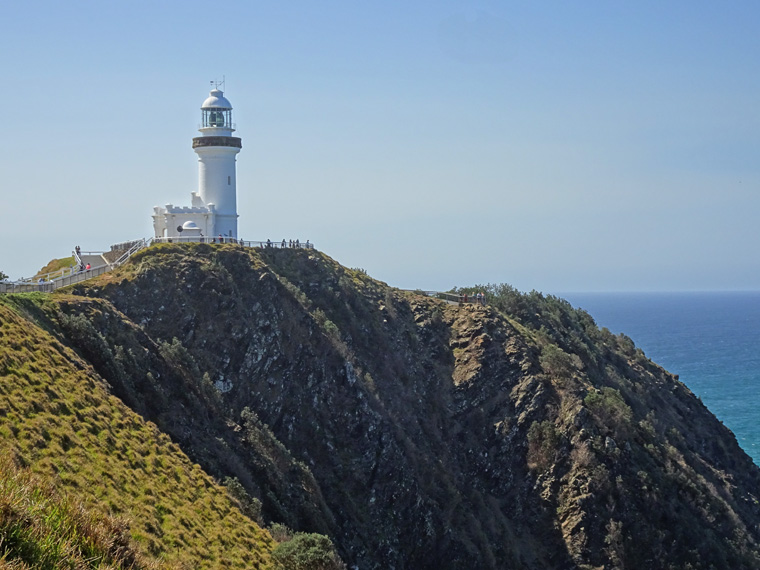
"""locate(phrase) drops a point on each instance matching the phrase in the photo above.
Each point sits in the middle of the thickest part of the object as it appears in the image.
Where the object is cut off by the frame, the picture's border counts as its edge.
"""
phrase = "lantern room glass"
(219, 118)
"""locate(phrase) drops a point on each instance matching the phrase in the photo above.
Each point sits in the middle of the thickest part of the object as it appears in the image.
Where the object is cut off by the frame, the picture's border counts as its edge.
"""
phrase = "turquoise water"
(711, 340)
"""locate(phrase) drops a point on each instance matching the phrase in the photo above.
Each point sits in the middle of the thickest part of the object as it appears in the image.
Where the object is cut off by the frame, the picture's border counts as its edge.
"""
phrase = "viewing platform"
(295, 244)
(451, 298)
(89, 264)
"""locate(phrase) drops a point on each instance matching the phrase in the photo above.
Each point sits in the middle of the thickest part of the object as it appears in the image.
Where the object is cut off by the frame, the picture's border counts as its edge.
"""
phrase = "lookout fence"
(77, 273)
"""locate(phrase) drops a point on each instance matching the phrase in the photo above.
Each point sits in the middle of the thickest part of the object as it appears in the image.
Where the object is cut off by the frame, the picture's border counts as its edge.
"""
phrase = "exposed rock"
(417, 434)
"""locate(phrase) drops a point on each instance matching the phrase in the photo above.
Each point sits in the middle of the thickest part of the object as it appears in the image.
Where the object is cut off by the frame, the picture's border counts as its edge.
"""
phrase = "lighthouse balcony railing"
(228, 126)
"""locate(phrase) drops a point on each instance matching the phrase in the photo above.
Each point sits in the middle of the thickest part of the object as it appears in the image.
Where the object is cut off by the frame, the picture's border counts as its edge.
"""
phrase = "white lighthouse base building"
(168, 219)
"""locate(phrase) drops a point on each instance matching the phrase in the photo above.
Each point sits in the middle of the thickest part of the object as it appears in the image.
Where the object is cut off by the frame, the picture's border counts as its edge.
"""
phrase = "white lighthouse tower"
(217, 150)
(214, 205)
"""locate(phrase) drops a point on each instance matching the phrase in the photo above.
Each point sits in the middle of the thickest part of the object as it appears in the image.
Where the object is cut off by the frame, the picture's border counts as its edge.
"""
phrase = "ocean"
(711, 340)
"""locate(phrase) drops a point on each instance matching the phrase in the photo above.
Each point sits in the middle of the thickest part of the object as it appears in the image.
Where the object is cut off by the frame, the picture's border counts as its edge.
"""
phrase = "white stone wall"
(166, 220)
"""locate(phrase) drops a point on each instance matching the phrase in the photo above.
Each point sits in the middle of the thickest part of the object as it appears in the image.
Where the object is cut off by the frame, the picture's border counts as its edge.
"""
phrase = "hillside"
(58, 418)
(416, 434)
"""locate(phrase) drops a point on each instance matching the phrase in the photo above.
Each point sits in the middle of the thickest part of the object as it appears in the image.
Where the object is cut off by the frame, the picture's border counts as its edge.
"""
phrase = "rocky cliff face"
(418, 434)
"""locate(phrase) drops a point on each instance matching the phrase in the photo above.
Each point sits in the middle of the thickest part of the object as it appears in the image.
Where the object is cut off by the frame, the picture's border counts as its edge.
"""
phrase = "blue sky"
(599, 146)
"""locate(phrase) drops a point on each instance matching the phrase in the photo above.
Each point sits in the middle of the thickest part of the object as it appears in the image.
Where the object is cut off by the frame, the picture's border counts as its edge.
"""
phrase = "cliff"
(415, 433)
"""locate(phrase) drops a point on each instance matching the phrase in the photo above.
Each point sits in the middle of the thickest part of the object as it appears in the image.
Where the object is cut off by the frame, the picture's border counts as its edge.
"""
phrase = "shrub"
(249, 506)
(280, 532)
(307, 551)
(610, 409)
(543, 440)
(332, 329)
(557, 363)
(176, 354)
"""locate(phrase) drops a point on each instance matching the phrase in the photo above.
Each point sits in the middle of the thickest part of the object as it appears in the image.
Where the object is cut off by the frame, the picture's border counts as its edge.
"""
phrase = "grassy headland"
(58, 418)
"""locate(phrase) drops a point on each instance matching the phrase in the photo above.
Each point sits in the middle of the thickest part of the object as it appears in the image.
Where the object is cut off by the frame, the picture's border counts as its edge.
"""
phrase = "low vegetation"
(42, 528)
(412, 432)
(57, 417)
(303, 551)
(55, 265)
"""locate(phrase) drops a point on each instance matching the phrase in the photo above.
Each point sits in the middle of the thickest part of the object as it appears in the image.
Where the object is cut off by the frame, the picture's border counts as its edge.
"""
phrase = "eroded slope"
(441, 436)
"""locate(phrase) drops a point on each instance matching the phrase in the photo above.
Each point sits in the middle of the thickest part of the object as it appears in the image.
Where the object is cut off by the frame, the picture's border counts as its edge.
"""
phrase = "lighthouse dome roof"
(216, 100)
(189, 226)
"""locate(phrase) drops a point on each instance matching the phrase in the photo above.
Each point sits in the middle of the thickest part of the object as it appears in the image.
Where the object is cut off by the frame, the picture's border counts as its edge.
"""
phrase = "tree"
(3, 276)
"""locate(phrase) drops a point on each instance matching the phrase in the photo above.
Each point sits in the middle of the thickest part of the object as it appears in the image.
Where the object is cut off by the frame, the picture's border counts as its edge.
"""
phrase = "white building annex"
(213, 209)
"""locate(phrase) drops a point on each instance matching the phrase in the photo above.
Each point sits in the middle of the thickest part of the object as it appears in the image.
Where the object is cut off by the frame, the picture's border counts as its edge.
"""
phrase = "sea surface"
(711, 340)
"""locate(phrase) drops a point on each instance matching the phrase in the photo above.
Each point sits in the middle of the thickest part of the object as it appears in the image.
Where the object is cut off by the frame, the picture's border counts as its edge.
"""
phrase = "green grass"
(56, 265)
(41, 528)
(57, 418)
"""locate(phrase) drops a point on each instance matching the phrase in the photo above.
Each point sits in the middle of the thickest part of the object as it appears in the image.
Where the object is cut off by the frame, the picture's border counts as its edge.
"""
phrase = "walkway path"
(52, 281)
(99, 261)
(93, 260)
(99, 264)
(450, 298)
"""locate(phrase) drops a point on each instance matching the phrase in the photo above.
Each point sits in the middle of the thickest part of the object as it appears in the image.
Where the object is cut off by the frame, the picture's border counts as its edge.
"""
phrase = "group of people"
(478, 298)
(212, 239)
(82, 266)
(290, 243)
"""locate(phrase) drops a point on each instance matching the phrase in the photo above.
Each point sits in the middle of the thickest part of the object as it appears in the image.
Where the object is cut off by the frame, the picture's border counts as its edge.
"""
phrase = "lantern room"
(216, 112)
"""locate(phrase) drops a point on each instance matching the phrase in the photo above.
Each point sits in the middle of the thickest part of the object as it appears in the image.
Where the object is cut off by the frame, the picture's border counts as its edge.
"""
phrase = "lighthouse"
(214, 206)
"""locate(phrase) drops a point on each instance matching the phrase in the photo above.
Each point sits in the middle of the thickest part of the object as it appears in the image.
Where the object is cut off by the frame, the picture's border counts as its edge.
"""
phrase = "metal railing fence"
(75, 274)
(289, 244)
(453, 298)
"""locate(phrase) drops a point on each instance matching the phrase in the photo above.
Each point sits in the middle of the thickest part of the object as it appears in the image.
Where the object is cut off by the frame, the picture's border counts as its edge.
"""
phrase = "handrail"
(49, 286)
(452, 298)
(50, 276)
(63, 272)
(126, 244)
(71, 275)
(68, 276)
(290, 244)
(138, 245)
